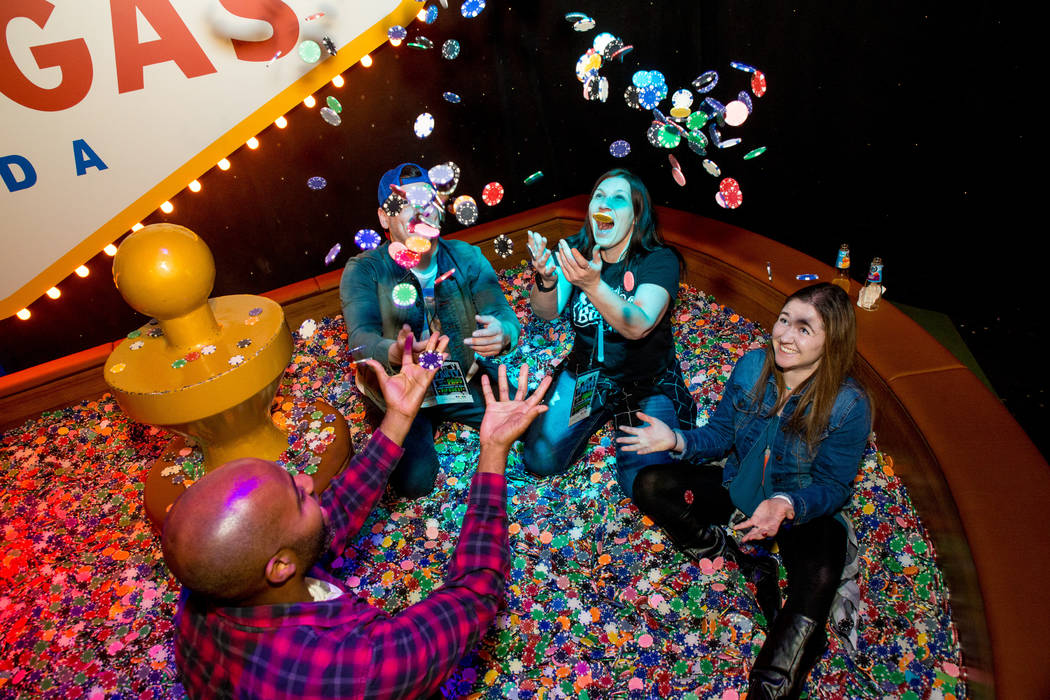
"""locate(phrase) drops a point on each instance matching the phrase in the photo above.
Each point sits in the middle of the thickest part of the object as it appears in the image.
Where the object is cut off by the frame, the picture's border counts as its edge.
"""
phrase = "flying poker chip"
(467, 212)
(431, 14)
(736, 113)
(333, 253)
(316, 15)
(406, 258)
(472, 8)
(746, 99)
(331, 116)
(730, 191)
(394, 204)
(333, 104)
(367, 239)
(492, 194)
(678, 176)
(450, 49)
(659, 116)
(697, 142)
(584, 25)
(712, 168)
(612, 50)
(404, 294)
(628, 281)
(713, 107)
(649, 96)
(316, 183)
(420, 195)
(417, 244)
(428, 359)
(422, 228)
(705, 82)
(630, 96)
(653, 134)
(682, 98)
(587, 65)
(396, 33)
(602, 41)
(329, 46)
(807, 277)
(309, 51)
(619, 148)
(668, 136)
(716, 135)
(451, 97)
(680, 112)
(503, 245)
(696, 120)
(575, 16)
(421, 43)
(620, 53)
(424, 126)
(535, 177)
(758, 83)
(754, 153)
(673, 161)
(394, 248)
(742, 66)
(729, 143)
(641, 78)
(596, 88)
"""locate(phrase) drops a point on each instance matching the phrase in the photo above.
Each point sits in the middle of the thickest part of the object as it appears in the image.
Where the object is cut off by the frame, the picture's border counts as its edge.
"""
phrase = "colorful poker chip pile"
(597, 602)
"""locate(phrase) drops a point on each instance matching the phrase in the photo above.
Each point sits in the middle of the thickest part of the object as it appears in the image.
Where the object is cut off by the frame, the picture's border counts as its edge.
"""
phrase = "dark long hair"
(818, 393)
(645, 237)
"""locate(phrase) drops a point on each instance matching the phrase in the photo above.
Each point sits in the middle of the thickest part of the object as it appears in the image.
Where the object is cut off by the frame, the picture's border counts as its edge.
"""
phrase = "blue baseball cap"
(403, 174)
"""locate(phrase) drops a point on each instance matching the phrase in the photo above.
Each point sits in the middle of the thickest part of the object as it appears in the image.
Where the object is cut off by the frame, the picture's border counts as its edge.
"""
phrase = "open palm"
(404, 391)
(507, 418)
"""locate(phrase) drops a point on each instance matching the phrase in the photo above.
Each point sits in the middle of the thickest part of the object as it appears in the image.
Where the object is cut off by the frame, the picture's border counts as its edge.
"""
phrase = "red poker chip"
(492, 194)
(678, 176)
(628, 281)
(673, 161)
(758, 83)
(728, 185)
(729, 195)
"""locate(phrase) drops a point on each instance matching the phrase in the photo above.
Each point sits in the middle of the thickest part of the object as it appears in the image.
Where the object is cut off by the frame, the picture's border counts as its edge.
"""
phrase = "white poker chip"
(424, 126)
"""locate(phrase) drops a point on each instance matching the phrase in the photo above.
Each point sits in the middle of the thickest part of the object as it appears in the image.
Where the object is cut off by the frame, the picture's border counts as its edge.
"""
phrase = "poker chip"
(503, 245)
(641, 78)
(587, 65)
(575, 16)
(393, 204)
(535, 177)
(451, 97)
(332, 254)
(678, 176)
(673, 161)
(659, 116)
(311, 18)
(696, 120)
(367, 239)
(620, 53)
(397, 33)
(331, 116)
(309, 51)
(420, 43)
(466, 210)
(584, 25)
(431, 14)
(680, 112)
(713, 107)
(316, 183)
(729, 143)
(754, 153)
(649, 96)
(445, 177)
(807, 277)
(417, 244)
(697, 138)
(596, 88)
(736, 113)
(746, 99)
(628, 281)
(742, 66)
(329, 45)
(422, 228)
(602, 41)
(682, 98)
(619, 148)
(705, 82)
(653, 134)
(450, 49)
(758, 84)
(668, 136)
(472, 8)
(333, 104)
(631, 97)
(730, 191)
(428, 359)
(716, 135)
(712, 168)
(492, 194)
(406, 258)
(404, 294)
(424, 125)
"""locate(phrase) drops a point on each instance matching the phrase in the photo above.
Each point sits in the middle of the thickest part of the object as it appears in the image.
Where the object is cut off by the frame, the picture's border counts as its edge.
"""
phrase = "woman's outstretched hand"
(581, 272)
(654, 437)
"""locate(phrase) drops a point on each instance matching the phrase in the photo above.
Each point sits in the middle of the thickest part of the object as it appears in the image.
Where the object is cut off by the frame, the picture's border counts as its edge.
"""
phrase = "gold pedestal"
(204, 368)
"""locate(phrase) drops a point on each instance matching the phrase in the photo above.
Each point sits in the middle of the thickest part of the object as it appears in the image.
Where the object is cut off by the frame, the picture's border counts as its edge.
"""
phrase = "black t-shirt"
(626, 360)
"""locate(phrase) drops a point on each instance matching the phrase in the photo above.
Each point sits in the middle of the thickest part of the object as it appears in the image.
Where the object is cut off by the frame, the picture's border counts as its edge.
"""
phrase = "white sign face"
(110, 107)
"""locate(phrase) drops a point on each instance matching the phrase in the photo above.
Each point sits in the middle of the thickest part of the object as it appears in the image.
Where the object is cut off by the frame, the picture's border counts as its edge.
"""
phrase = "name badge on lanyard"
(583, 396)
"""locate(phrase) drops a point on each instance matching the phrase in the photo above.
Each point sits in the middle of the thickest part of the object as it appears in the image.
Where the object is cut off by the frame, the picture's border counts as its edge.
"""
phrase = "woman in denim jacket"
(792, 427)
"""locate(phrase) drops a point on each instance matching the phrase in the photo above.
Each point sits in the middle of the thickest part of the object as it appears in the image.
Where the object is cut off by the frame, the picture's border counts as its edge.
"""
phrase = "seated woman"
(619, 281)
(792, 425)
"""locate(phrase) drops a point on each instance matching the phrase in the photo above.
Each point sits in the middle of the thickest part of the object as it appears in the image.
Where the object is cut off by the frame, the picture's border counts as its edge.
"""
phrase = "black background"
(905, 129)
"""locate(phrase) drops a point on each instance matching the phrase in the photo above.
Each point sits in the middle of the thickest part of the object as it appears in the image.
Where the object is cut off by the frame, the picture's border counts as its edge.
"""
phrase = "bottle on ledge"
(842, 268)
(872, 291)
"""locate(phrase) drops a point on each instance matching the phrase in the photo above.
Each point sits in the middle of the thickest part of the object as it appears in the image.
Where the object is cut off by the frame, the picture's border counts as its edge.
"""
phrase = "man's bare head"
(244, 530)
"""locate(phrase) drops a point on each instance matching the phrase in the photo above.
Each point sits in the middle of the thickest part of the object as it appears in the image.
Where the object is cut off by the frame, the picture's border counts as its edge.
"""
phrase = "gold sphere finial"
(164, 270)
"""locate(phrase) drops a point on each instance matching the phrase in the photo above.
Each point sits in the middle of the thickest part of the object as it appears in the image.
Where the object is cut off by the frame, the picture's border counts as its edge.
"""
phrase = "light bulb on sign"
(224, 164)
(82, 271)
(281, 122)
(136, 227)
(167, 207)
(309, 101)
(366, 60)
(54, 293)
(110, 250)
(338, 81)
(24, 314)
(195, 186)
(252, 143)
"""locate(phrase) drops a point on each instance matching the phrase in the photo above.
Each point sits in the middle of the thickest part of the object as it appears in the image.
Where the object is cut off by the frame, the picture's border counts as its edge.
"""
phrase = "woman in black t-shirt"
(618, 282)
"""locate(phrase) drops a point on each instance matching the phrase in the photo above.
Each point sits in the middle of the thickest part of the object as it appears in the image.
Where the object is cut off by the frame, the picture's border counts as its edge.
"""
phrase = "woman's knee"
(649, 487)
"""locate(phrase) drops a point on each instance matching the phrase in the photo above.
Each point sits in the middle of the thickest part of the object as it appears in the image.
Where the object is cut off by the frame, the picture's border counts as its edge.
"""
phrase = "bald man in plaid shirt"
(258, 618)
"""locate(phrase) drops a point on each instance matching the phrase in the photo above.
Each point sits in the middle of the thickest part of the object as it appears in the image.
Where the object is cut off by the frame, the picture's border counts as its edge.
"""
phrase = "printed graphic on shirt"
(584, 314)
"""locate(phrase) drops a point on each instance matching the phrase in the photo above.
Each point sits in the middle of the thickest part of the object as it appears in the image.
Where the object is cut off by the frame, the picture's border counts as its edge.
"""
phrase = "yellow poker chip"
(418, 244)
(680, 112)
(602, 217)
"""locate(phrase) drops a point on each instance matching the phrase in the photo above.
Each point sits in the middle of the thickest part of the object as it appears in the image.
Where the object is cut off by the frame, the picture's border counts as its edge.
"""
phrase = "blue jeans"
(552, 445)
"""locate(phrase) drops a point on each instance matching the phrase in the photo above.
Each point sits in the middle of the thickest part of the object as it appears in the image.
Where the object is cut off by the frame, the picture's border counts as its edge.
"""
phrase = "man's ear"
(384, 219)
(281, 567)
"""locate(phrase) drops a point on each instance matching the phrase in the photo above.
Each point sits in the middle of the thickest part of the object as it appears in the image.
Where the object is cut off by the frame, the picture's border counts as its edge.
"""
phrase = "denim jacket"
(819, 482)
(373, 320)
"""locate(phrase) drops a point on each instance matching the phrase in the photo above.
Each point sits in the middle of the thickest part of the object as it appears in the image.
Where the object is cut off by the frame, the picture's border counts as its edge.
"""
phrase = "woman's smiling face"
(614, 208)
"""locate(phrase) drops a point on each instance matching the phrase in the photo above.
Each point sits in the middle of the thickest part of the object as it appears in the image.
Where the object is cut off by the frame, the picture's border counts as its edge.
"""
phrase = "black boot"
(708, 541)
(793, 647)
(764, 572)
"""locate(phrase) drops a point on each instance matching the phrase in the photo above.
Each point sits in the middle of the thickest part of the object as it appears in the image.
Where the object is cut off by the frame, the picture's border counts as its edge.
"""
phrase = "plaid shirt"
(345, 648)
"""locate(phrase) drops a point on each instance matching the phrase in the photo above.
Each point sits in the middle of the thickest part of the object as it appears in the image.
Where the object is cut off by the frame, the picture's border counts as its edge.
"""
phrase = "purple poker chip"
(333, 253)
(367, 239)
(316, 183)
(619, 148)
(430, 360)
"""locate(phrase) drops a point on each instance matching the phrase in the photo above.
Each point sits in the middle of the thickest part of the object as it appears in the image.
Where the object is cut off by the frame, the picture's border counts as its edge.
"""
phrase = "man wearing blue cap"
(456, 293)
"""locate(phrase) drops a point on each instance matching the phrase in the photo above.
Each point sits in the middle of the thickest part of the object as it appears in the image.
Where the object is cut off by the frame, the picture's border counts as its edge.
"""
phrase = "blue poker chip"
(451, 97)
(397, 32)
(472, 8)
(619, 148)
(649, 96)
(742, 66)
(808, 277)
(430, 360)
(706, 82)
(316, 183)
(432, 14)
(450, 49)
(659, 116)
(641, 78)
(367, 239)
(746, 99)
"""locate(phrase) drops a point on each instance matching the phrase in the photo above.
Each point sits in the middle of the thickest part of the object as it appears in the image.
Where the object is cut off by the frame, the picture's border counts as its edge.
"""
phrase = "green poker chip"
(404, 294)
(755, 153)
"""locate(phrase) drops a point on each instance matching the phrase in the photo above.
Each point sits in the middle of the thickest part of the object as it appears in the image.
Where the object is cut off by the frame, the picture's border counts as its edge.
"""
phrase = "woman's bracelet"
(679, 441)
(538, 281)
